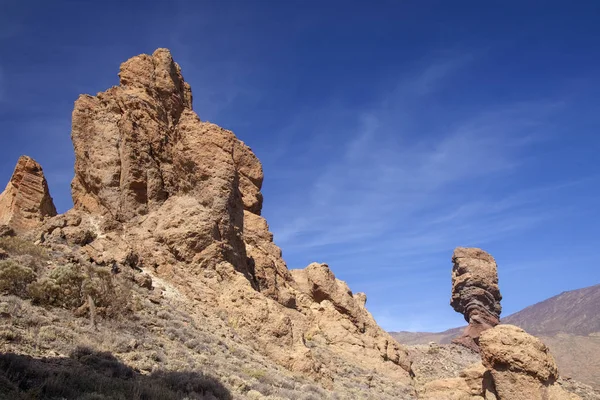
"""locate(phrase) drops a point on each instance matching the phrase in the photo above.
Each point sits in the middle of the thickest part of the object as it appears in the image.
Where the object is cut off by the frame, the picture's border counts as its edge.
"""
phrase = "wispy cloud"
(401, 185)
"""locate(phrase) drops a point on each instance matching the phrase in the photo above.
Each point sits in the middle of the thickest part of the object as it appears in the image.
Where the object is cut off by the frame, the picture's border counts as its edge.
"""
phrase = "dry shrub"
(69, 286)
(14, 278)
(20, 247)
(62, 288)
(113, 296)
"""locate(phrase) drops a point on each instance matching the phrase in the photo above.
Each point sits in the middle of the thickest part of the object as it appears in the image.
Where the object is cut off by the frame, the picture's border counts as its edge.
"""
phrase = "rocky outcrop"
(475, 293)
(473, 383)
(521, 366)
(163, 192)
(341, 320)
(515, 366)
(142, 153)
(26, 201)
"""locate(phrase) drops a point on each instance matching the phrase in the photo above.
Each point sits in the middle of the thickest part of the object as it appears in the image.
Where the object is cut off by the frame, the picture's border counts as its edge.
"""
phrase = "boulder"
(473, 383)
(521, 366)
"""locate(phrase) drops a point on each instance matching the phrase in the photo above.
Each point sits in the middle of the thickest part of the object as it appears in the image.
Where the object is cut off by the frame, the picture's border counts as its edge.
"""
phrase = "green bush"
(14, 278)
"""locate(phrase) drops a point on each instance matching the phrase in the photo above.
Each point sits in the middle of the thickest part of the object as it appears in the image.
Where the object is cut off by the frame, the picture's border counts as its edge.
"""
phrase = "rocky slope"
(576, 312)
(160, 195)
(164, 282)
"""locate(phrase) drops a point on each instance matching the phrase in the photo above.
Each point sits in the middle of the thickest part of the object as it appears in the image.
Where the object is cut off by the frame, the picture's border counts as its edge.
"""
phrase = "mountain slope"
(575, 312)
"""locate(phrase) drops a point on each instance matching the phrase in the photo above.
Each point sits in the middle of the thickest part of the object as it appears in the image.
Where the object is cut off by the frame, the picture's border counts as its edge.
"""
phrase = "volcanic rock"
(475, 293)
(473, 383)
(161, 191)
(521, 366)
(26, 201)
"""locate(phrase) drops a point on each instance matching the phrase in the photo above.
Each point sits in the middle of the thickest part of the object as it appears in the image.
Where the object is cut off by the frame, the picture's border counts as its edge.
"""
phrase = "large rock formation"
(475, 293)
(157, 189)
(26, 201)
(521, 366)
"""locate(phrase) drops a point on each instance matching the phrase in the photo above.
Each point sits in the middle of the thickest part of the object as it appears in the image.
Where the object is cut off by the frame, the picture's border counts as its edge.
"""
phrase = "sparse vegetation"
(169, 349)
(87, 374)
(18, 246)
(68, 286)
(14, 278)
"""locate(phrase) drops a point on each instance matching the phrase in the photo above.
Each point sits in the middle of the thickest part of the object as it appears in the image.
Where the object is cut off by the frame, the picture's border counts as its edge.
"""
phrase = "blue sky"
(390, 131)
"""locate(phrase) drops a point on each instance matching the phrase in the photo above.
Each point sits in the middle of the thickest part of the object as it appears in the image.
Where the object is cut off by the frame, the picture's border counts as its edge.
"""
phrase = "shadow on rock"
(91, 375)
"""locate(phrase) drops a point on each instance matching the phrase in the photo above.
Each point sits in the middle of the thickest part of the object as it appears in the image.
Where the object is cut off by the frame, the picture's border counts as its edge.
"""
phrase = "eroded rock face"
(142, 154)
(341, 319)
(475, 293)
(26, 201)
(159, 190)
(521, 366)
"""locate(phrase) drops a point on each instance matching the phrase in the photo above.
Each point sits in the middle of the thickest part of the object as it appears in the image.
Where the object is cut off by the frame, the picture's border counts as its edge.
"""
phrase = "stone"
(26, 201)
(475, 293)
(474, 378)
(521, 366)
(141, 153)
(448, 389)
(143, 280)
(270, 270)
(473, 383)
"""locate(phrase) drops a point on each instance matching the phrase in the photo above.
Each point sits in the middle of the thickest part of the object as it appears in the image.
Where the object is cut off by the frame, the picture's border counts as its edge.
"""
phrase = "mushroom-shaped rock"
(475, 293)
(26, 201)
(521, 366)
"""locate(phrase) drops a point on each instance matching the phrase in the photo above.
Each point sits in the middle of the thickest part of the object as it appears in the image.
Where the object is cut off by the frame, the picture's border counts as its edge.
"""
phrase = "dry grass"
(87, 374)
(182, 345)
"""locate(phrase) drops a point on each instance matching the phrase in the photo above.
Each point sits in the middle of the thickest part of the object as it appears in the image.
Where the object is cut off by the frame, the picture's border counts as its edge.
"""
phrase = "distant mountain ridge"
(576, 312)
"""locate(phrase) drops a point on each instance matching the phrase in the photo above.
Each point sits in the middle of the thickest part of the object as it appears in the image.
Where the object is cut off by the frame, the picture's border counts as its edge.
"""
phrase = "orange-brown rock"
(475, 293)
(341, 319)
(158, 189)
(142, 154)
(521, 365)
(26, 201)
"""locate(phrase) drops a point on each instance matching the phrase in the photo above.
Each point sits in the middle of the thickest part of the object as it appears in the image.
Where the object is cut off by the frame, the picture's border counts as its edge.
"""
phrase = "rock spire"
(475, 293)
(26, 201)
